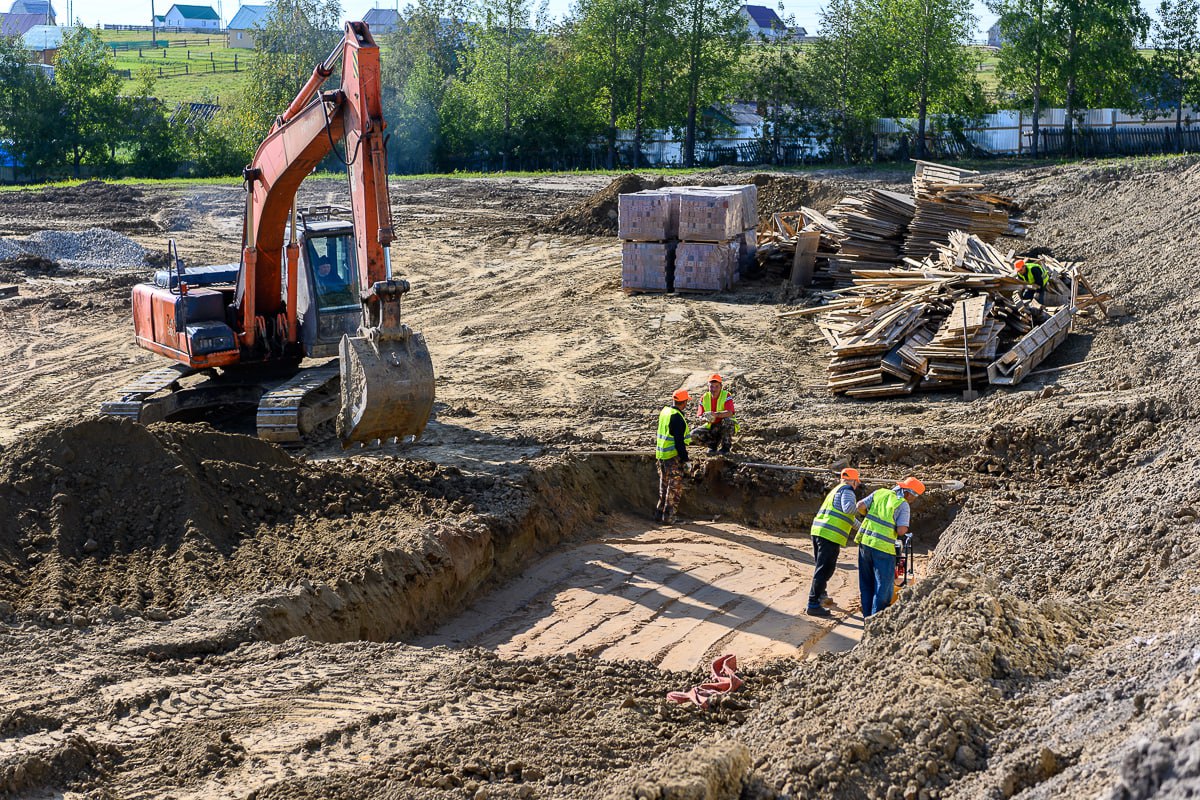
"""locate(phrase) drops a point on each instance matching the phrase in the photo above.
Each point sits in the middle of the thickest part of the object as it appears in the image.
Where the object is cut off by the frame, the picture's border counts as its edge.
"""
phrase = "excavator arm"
(386, 372)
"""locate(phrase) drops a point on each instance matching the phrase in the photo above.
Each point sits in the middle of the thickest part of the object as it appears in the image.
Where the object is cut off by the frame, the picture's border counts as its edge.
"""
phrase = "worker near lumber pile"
(671, 456)
(830, 530)
(1036, 275)
(716, 410)
(880, 537)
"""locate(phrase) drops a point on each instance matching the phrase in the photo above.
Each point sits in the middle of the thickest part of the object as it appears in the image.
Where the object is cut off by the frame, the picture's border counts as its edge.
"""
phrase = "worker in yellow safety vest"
(831, 529)
(671, 456)
(1036, 276)
(880, 537)
(716, 412)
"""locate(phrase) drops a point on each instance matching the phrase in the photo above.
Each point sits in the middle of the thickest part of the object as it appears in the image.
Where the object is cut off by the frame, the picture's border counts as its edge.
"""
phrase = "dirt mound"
(597, 215)
(778, 193)
(97, 195)
(105, 511)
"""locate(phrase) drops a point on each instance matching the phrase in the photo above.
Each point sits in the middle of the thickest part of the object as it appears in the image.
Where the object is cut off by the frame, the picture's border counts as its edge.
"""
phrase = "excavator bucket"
(387, 387)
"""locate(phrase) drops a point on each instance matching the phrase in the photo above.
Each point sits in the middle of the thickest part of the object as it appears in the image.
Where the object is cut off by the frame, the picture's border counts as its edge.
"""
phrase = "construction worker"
(671, 456)
(1035, 274)
(830, 530)
(716, 411)
(880, 537)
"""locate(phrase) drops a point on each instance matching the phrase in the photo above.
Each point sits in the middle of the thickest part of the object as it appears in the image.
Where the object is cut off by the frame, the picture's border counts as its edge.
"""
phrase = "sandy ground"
(490, 613)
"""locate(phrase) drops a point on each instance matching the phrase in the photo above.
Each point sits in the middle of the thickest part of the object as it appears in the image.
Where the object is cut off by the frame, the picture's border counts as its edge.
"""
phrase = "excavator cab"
(327, 298)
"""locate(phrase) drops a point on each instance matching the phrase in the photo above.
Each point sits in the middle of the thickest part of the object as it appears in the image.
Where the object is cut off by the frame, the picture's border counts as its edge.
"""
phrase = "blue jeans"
(876, 579)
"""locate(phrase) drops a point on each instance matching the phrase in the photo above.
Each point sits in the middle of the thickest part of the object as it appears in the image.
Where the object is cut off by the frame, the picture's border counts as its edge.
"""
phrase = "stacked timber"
(702, 236)
(922, 327)
(872, 225)
(947, 200)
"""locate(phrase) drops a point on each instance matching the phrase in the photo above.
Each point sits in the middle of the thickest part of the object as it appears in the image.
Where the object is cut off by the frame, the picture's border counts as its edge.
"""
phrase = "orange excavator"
(309, 285)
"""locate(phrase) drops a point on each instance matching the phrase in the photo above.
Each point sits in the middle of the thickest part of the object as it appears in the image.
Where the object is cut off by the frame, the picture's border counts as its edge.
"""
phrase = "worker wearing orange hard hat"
(1035, 275)
(880, 538)
(718, 425)
(831, 529)
(671, 456)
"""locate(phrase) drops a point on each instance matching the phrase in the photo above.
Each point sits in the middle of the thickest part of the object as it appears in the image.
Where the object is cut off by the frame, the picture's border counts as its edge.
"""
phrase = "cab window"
(336, 280)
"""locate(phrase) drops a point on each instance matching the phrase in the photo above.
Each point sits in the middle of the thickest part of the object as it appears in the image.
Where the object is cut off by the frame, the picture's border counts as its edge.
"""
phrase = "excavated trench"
(582, 569)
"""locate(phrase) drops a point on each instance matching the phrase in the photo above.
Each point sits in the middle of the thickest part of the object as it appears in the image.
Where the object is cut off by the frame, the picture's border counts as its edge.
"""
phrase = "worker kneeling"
(879, 539)
(716, 411)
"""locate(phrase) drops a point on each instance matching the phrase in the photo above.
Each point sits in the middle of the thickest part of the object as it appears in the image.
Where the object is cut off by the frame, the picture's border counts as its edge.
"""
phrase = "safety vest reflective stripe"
(666, 442)
(878, 530)
(830, 523)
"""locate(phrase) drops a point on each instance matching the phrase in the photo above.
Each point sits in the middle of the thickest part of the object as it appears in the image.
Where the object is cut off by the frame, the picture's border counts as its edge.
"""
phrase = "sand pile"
(104, 511)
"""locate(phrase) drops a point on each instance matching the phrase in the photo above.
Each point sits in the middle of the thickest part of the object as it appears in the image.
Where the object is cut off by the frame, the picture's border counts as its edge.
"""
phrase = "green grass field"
(191, 68)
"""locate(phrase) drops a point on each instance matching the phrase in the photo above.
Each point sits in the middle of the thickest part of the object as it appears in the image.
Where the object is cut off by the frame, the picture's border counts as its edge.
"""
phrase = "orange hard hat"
(682, 396)
(913, 485)
(1020, 265)
(849, 474)
(715, 377)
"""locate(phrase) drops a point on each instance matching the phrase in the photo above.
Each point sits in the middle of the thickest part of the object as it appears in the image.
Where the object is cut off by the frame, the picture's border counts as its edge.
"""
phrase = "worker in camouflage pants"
(670, 454)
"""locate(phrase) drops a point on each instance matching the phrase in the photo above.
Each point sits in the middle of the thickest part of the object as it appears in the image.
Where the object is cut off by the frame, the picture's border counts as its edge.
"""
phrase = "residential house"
(240, 31)
(19, 24)
(994, 36)
(43, 41)
(382, 20)
(43, 9)
(201, 19)
(763, 22)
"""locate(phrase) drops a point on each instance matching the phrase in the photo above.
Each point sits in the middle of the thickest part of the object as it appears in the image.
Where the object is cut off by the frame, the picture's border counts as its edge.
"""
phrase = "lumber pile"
(686, 238)
(878, 228)
(924, 325)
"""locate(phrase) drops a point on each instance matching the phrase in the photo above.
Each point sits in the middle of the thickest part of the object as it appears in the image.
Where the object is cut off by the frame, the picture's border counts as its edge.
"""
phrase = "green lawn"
(193, 67)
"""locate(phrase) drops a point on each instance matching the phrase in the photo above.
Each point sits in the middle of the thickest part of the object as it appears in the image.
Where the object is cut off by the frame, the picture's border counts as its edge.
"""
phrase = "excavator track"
(289, 411)
(133, 395)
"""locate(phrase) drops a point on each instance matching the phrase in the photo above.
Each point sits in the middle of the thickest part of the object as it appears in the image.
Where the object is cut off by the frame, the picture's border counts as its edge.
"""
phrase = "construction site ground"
(491, 612)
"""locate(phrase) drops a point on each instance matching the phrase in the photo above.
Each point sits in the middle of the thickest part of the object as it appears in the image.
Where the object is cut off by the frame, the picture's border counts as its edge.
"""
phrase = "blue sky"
(137, 12)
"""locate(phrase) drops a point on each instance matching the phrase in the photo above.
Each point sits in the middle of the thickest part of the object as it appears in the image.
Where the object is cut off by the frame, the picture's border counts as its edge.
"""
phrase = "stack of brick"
(647, 222)
(701, 236)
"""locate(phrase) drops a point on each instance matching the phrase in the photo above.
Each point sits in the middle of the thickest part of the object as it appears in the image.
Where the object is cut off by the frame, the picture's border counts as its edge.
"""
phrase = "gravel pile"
(95, 248)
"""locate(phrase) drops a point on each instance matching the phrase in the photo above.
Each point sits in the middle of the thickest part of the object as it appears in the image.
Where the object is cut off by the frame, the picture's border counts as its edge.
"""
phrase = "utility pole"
(153, 26)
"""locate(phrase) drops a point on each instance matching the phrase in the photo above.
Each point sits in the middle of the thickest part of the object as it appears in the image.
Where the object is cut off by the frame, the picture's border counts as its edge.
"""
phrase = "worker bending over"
(830, 530)
(1036, 276)
(880, 537)
(671, 456)
(716, 411)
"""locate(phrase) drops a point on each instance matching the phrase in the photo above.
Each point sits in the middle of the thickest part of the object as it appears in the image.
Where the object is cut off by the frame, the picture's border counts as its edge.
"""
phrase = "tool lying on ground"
(724, 680)
(309, 285)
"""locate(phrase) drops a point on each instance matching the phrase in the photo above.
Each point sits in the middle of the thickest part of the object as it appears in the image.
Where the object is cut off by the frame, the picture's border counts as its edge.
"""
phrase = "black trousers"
(826, 554)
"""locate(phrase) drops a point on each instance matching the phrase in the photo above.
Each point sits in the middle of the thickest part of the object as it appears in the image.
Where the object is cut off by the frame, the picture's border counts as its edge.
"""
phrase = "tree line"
(498, 83)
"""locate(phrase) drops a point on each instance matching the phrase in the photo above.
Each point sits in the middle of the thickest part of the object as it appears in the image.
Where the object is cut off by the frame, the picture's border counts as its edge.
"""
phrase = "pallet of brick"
(707, 216)
(705, 266)
(645, 266)
(646, 216)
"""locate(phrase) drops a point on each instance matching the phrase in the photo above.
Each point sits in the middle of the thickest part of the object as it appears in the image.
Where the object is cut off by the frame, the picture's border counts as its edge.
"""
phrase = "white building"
(196, 18)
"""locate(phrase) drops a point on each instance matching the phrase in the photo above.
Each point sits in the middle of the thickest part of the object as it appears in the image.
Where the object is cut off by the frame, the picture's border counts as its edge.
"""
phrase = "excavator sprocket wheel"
(387, 388)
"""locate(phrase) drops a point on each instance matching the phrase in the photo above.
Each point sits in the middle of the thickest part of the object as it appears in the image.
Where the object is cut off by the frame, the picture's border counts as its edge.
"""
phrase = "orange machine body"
(188, 327)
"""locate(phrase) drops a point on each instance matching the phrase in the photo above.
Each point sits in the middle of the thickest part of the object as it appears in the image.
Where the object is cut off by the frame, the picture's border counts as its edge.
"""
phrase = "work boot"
(658, 515)
(669, 517)
(725, 450)
(818, 611)
(826, 600)
(712, 451)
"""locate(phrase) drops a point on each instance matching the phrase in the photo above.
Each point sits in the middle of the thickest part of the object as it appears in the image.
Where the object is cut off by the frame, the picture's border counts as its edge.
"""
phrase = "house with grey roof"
(19, 24)
(382, 20)
(241, 29)
(40, 8)
(202, 19)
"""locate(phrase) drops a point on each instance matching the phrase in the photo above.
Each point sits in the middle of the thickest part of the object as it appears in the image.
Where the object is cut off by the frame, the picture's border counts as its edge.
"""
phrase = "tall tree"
(604, 42)
(838, 75)
(88, 88)
(30, 122)
(652, 45)
(1093, 54)
(930, 55)
(1023, 60)
(713, 34)
(1175, 65)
